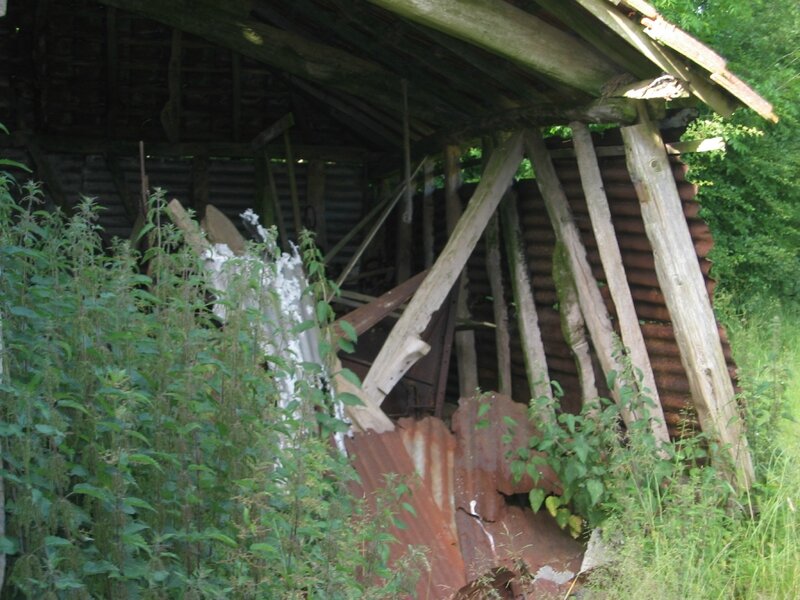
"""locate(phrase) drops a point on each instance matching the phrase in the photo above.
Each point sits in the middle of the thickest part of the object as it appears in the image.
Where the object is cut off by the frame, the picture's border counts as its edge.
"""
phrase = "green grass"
(680, 541)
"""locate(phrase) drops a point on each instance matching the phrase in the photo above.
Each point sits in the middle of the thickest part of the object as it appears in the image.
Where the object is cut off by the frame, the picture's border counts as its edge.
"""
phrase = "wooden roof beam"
(289, 52)
(513, 33)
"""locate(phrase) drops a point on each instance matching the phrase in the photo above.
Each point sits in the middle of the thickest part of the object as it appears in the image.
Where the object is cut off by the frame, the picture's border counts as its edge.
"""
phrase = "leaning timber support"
(527, 317)
(591, 301)
(494, 271)
(686, 297)
(573, 326)
(611, 258)
(466, 357)
(404, 345)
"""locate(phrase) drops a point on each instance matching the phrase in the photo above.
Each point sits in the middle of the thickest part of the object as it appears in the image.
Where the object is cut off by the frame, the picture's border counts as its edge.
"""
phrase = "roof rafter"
(290, 52)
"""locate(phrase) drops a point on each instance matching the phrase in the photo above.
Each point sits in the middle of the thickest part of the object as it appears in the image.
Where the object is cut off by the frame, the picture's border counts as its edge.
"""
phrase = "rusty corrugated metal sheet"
(494, 530)
(374, 456)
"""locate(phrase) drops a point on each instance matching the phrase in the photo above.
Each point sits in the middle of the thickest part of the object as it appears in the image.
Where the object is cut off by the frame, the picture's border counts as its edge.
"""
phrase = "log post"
(686, 297)
(466, 356)
(404, 345)
(315, 194)
(200, 184)
(527, 317)
(591, 301)
(573, 326)
(494, 271)
(427, 214)
(611, 258)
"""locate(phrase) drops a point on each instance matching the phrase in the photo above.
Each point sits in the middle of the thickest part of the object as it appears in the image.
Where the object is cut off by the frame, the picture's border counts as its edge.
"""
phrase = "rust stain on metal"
(492, 532)
(375, 456)
(431, 446)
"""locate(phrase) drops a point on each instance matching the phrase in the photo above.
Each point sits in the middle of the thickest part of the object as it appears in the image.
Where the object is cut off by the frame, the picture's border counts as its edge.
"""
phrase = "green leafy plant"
(145, 451)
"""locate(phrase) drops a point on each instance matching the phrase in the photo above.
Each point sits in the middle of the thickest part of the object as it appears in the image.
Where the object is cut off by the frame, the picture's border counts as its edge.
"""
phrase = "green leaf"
(349, 399)
(595, 489)
(348, 330)
(483, 409)
(221, 537)
(562, 517)
(134, 502)
(23, 311)
(345, 345)
(351, 377)
(90, 490)
(304, 326)
(408, 508)
(536, 497)
(575, 523)
(611, 379)
(54, 541)
(7, 162)
(552, 503)
(143, 459)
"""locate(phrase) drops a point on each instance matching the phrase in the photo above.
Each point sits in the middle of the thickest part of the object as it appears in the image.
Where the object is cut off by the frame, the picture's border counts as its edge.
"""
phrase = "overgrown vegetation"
(145, 452)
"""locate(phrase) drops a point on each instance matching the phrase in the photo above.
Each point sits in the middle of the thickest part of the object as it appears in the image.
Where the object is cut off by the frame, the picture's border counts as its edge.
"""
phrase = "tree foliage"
(751, 193)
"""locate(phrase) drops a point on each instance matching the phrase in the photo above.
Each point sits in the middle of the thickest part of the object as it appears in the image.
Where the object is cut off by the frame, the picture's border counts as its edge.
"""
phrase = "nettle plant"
(144, 450)
(599, 462)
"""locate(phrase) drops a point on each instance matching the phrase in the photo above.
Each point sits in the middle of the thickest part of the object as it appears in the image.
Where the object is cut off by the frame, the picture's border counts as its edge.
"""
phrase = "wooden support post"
(427, 214)
(112, 71)
(404, 345)
(494, 270)
(573, 326)
(686, 297)
(404, 229)
(236, 92)
(297, 212)
(591, 301)
(200, 191)
(527, 317)
(466, 356)
(611, 258)
(276, 201)
(221, 230)
(171, 113)
(315, 197)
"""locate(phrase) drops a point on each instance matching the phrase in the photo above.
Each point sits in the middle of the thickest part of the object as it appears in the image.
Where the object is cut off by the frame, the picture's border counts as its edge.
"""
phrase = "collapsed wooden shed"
(350, 117)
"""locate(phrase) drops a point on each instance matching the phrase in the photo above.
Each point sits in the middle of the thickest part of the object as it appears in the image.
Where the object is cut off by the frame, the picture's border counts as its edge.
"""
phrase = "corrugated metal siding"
(231, 184)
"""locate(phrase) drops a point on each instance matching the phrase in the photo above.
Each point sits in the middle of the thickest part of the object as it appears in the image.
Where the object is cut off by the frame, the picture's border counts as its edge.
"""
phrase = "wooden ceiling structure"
(385, 83)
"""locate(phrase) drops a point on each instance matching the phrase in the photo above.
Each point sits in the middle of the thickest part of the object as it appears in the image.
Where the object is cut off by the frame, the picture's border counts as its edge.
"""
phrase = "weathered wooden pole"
(591, 301)
(527, 317)
(466, 357)
(611, 258)
(404, 345)
(684, 290)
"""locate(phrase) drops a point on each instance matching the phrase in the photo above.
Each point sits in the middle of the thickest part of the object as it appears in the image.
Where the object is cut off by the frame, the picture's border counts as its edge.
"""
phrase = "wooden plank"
(236, 95)
(590, 300)
(668, 34)
(171, 113)
(466, 356)
(404, 222)
(220, 230)
(367, 316)
(297, 211)
(494, 271)
(503, 29)
(428, 188)
(616, 279)
(276, 201)
(527, 316)
(112, 71)
(633, 34)
(192, 233)
(315, 198)
(685, 294)
(273, 131)
(404, 345)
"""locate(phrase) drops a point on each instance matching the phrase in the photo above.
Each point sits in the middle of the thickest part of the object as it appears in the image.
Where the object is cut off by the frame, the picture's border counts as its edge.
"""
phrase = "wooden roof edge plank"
(662, 31)
(513, 33)
(702, 87)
